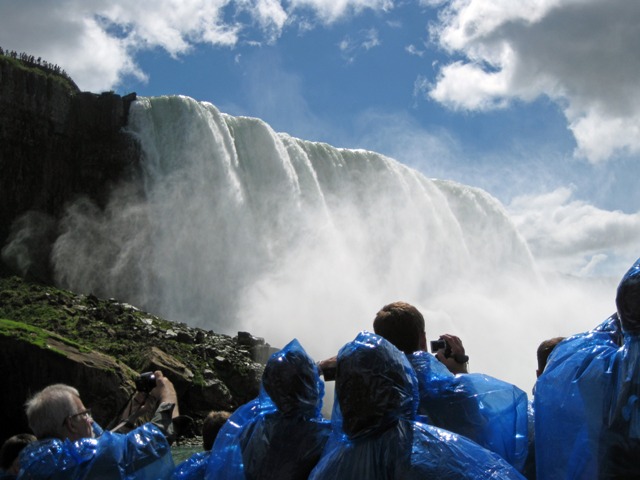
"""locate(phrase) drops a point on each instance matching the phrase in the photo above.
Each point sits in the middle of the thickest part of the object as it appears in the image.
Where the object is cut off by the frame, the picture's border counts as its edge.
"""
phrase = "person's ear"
(70, 426)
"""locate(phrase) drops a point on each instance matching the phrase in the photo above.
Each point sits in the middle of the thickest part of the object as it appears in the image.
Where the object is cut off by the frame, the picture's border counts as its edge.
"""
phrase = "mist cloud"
(581, 54)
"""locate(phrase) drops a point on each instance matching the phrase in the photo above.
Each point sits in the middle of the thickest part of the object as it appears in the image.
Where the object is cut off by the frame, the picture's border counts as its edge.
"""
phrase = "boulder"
(33, 358)
(172, 368)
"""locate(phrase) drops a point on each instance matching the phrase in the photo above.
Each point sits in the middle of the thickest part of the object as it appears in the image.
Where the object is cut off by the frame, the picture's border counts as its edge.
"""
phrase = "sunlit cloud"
(582, 54)
(573, 237)
(97, 41)
(329, 11)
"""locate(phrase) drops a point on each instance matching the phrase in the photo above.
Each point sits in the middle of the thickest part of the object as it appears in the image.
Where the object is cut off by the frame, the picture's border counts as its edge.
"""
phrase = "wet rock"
(103, 382)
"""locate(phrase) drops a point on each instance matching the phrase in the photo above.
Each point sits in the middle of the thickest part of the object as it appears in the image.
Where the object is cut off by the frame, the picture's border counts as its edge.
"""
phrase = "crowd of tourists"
(400, 412)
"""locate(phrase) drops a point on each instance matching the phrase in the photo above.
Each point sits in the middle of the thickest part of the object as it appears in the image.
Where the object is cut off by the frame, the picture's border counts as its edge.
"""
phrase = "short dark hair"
(401, 324)
(12, 447)
(545, 349)
(211, 426)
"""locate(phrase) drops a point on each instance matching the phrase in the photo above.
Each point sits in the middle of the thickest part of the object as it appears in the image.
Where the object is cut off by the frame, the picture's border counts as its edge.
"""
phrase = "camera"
(440, 345)
(146, 382)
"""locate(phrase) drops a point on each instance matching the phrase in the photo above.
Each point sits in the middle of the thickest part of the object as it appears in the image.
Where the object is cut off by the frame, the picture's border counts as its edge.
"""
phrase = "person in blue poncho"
(586, 404)
(72, 446)
(282, 433)
(9, 455)
(195, 467)
(377, 401)
(542, 354)
(489, 411)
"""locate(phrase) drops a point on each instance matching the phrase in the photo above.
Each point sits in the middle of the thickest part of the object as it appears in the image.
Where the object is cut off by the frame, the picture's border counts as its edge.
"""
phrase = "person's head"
(402, 325)
(211, 426)
(544, 350)
(375, 386)
(628, 300)
(291, 380)
(58, 412)
(10, 452)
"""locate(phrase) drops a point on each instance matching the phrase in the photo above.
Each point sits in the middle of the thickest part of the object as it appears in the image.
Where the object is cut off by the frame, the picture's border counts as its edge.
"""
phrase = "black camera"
(440, 345)
(146, 382)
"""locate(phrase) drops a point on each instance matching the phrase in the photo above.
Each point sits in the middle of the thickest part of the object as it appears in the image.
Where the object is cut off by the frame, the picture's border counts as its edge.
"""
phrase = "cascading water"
(236, 227)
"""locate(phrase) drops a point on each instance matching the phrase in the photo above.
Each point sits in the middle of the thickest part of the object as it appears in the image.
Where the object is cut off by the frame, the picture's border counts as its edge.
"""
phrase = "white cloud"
(365, 40)
(269, 14)
(413, 50)
(581, 53)
(573, 237)
(329, 11)
(96, 41)
(370, 39)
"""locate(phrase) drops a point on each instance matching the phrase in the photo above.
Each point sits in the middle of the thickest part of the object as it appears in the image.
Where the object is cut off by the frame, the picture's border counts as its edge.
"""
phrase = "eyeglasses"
(85, 415)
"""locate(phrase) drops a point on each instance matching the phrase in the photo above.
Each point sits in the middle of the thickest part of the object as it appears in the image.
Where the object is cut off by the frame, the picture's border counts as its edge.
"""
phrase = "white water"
(242, 228)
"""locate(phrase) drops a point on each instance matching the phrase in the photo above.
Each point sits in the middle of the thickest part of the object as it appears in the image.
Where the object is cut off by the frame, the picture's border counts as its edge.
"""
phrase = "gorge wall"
(58, 143)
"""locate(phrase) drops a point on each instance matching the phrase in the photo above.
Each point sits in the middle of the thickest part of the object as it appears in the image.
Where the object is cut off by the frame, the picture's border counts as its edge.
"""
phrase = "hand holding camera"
(146, 382)
(441, 344)
(154, 388)
(449, 350)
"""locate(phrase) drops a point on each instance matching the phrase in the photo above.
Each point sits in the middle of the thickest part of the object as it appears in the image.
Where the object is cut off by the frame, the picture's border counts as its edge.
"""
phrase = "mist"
(236, 227)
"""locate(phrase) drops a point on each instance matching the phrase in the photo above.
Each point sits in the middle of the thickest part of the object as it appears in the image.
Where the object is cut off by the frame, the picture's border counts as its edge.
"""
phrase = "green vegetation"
(29, 63)
(119, 330)
(34, 335)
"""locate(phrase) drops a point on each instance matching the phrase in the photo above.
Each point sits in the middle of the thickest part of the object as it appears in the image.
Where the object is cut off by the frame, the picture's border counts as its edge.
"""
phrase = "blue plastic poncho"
(587, 420)
(282, 433)
(225, 460)
(377, 392)
(142, 454)
(193, 468)
(491, 412)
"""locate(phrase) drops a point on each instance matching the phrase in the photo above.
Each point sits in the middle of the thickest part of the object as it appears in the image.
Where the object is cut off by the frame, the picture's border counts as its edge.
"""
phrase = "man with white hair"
(58, 412)
(71, 445)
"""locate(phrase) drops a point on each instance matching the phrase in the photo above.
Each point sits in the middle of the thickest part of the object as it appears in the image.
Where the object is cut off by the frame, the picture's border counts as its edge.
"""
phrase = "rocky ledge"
(49, 335)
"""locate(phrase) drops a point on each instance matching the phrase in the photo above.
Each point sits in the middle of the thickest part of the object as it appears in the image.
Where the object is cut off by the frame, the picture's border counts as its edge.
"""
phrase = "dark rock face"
(28, 367)
(57, 143)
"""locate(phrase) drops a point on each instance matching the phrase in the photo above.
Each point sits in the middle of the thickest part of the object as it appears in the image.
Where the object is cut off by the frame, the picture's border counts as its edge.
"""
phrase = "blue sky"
(535, 101)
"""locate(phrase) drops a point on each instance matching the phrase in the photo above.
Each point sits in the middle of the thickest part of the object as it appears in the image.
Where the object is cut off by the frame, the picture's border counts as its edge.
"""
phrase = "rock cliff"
(57, 143)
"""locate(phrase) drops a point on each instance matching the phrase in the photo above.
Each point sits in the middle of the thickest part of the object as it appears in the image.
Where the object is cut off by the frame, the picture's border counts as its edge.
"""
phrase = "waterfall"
(236, 227)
